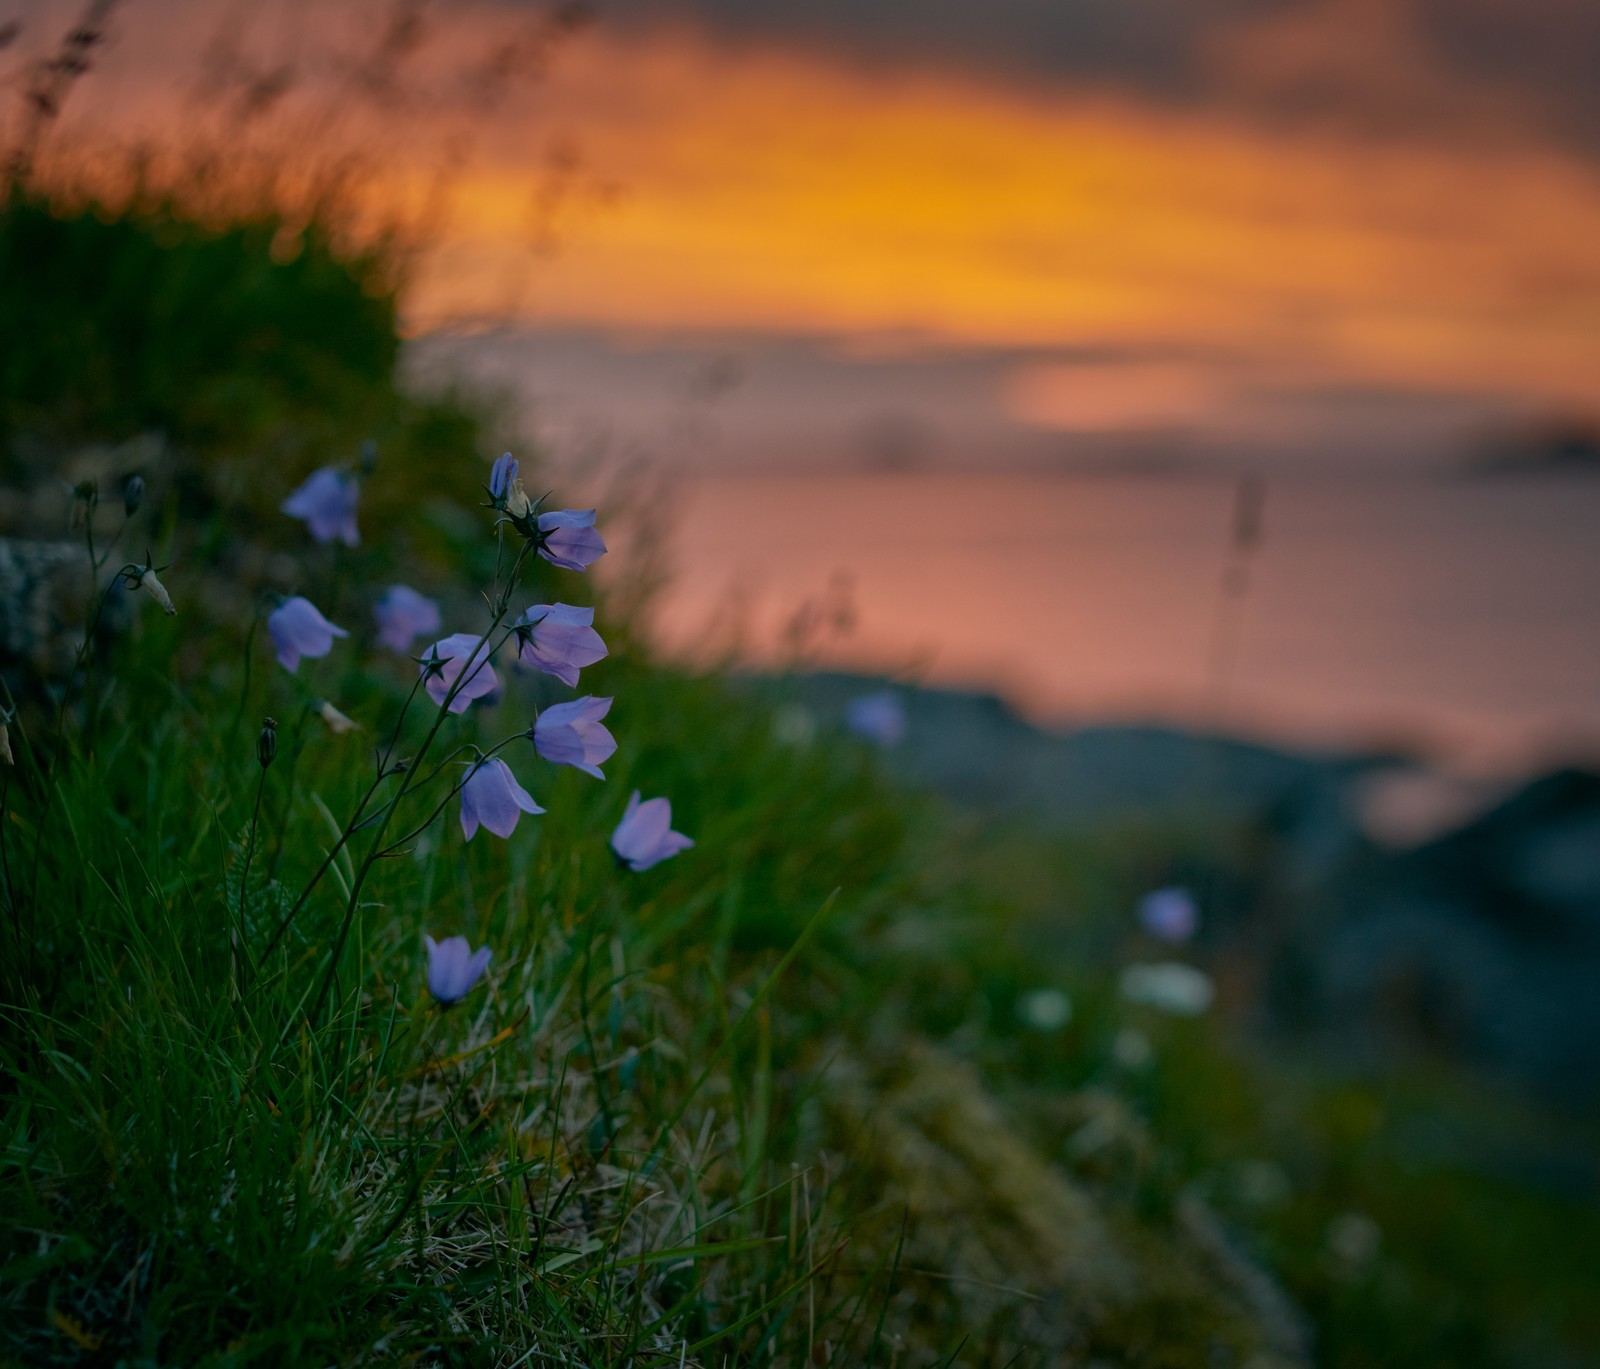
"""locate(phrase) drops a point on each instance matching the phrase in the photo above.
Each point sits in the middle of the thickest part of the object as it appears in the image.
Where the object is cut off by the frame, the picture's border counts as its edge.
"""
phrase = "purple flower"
(404, 615)
(645, 837)
(453, 652)
(559, 640)
(454, 967)
(491, 796)
(327, 502)
(505, 489)
(572, 734)
(879, 717)
(501, 474)
(567, 538)
(298, 629)
(1170, 914)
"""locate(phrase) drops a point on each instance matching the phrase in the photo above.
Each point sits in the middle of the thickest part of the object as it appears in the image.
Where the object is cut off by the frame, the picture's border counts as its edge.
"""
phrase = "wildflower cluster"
(457, 671)
(565, 538)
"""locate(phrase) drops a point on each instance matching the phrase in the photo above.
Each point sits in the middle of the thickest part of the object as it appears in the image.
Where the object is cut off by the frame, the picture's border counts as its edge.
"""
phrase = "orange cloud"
(764, 190)
(1098, 397)
(774, 193)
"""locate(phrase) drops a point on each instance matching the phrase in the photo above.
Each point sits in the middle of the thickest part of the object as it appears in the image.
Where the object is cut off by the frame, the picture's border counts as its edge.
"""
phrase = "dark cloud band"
(1444, 68)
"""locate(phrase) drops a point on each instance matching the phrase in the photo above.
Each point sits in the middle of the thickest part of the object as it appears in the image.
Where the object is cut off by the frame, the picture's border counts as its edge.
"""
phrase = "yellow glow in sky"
(766, 190)
(774, 193)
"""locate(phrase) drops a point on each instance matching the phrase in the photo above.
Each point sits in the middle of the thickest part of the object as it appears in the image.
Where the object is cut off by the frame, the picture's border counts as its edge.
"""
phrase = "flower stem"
(399, 842)
(241, 948)
(353, 826)
(327, 862)
(501, 607)
(244, 688)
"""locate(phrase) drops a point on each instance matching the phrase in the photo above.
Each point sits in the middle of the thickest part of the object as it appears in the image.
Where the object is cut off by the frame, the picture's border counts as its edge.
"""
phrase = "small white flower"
(1261, 1183)
(1045, 1010)
(1169, 987)
(337, 722)
(1132, 1049)
(1353, 1239)
(794, 725)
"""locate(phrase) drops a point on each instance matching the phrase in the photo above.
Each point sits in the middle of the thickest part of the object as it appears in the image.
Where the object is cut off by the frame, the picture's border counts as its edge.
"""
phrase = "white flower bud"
(156, 590)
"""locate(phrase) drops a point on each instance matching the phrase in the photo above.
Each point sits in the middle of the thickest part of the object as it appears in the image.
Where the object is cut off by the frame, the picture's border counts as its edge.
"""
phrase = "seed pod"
(267, 742)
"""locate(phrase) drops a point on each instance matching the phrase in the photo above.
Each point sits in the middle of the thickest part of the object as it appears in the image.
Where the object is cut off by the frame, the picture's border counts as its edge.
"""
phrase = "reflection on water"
(1461, 616)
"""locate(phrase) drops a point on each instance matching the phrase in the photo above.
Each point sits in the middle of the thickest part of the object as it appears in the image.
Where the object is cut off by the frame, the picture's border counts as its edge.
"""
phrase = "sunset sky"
(1016, 245)
(1354, 231)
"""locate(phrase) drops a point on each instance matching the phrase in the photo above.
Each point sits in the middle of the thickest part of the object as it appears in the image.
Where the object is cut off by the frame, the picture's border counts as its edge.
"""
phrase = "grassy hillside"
(778, 1099)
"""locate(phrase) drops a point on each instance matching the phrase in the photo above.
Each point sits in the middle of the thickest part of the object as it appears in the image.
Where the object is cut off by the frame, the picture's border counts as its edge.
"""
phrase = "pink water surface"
(1461, 615)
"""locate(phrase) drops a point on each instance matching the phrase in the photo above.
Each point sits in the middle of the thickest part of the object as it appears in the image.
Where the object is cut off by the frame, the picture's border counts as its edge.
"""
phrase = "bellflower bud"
(144, 577)
(156, 590)
(501, 474)
(267, 742)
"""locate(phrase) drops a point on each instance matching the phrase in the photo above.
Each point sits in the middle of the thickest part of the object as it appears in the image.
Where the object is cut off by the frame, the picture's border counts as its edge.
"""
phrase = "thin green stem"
(244, 884)
(327, 862)
(249, 661)
(501, 607)
(394, 737)
(302, 720)
(399, 842)
(353, 826)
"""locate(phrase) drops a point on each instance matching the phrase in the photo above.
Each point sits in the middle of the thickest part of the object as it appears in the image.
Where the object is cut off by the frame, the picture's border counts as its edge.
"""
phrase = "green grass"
(146, 319)
(248, 1177)
(768, 1103)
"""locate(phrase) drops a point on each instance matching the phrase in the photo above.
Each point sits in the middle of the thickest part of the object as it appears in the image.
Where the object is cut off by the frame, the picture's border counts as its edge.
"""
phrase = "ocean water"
(1460, 617)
